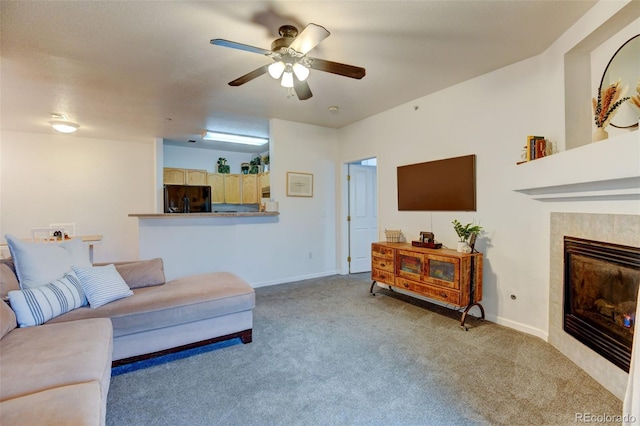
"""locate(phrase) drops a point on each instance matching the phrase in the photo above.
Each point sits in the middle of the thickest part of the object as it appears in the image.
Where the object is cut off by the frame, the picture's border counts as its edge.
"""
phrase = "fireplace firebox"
(601, 283)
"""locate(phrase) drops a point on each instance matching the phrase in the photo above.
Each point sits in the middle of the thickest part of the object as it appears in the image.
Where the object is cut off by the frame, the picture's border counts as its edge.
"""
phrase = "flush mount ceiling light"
(233, 138)
(63, 126)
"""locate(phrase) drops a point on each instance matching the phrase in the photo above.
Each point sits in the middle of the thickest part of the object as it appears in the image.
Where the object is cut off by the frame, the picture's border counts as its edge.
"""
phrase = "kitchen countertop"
(197, 215)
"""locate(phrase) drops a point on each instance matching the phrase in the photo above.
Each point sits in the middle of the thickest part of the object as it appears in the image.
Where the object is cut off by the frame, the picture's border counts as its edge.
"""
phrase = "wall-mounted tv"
(441, 185)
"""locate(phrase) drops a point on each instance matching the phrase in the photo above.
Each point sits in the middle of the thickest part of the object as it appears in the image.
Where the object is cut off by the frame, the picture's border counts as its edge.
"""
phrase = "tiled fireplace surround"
(611, 228)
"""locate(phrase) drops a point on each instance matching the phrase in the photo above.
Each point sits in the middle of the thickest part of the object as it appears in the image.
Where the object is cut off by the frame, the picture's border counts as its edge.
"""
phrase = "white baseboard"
(292, 279)
(488, 317)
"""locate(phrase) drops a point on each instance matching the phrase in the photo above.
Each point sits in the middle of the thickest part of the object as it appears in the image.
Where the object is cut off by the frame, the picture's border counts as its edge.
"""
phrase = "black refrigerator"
(187, 198)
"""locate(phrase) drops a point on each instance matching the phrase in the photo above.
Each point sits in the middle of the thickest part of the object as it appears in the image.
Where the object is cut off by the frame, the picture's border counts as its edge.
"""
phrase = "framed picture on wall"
(299, 184)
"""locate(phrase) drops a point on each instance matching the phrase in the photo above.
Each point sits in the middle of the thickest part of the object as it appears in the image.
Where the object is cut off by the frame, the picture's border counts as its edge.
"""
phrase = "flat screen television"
(441, 185)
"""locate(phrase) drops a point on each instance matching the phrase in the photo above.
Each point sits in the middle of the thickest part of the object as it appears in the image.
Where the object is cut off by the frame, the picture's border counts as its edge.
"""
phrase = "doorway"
(362, 216)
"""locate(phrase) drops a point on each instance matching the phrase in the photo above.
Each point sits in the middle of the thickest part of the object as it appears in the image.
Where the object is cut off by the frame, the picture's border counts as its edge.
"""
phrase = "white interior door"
(363, 223)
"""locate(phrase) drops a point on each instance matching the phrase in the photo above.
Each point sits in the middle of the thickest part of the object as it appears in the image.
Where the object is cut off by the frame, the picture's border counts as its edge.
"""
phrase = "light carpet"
(325, 352)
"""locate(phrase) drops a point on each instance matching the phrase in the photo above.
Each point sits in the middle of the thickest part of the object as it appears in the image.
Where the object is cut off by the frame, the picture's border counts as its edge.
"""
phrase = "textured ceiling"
(122, 69)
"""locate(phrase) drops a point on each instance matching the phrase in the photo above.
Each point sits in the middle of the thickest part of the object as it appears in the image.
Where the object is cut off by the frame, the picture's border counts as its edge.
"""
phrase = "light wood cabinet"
(264, 181)
(176, 176)
(232, 189)
(250, 189)
(440, 274)
(196, 177)
(173, 176)
(216, 182)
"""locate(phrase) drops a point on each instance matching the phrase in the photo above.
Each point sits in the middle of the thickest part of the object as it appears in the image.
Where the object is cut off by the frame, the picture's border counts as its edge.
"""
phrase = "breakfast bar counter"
(202, 215)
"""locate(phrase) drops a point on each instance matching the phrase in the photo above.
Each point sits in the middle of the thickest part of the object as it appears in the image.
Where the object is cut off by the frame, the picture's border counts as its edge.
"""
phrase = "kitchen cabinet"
(232, 192)
(264, 185)
(173, 176)
(196, 177)
(250, 189)
(216, 182)
(176, 176)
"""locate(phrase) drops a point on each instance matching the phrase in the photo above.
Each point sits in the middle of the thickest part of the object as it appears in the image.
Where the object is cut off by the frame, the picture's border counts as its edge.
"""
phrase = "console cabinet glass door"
(409, 264)
(444, 271)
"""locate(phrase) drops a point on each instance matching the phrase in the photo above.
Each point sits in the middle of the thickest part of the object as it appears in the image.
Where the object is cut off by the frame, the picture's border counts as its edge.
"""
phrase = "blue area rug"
(139, 365)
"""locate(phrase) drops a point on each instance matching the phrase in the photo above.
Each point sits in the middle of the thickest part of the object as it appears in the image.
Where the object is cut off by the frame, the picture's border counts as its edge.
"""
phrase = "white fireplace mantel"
(608, 169)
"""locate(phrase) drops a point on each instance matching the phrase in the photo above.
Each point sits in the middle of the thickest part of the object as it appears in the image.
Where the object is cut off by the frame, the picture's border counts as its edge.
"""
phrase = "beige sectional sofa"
(63, 367)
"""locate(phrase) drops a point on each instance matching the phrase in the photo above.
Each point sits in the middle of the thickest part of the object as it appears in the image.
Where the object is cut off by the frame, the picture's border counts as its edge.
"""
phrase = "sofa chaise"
(83, 344)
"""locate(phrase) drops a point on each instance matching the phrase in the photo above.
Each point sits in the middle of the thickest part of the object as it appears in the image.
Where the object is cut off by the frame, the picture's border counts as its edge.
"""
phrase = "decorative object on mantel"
(635, 99)
(624, 66)
(536, 147)
(605, 107)
(223, 167)
(464, 233)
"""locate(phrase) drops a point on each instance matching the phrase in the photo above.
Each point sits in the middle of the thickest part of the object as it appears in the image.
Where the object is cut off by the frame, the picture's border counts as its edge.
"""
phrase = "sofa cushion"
(35, 306)
(179, 301)
(7, 319)
(8, 278)
(34, 359)
(102, 284)
(78, 404)
(40, 263)
(142, 273)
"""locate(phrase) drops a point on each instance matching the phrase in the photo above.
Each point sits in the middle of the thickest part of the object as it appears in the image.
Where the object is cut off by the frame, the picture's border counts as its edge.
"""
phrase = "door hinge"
(349, 259)
(348, 177)
(348, 218)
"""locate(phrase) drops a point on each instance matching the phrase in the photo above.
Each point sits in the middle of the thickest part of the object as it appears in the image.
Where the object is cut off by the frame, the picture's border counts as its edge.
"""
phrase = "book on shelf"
(536, 147)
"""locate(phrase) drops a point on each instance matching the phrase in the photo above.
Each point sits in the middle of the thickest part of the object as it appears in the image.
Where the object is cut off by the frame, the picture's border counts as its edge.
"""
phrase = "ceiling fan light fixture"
(276, 69)
(301, 71)
(287, 80)
(64, 126)
(233, 138)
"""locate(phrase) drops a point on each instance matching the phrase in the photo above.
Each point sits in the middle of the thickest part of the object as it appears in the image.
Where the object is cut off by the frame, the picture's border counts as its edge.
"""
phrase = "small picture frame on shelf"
(299, 184)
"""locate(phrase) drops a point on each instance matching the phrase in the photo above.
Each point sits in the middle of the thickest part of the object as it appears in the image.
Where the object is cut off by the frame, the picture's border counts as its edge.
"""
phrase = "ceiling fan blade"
(302, 88)
(250, 76)
(309, 38)
(240, 46)
(338, 68)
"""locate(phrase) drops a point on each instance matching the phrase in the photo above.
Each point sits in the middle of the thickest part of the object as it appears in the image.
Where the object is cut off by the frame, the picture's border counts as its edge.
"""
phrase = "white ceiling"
(122, 69)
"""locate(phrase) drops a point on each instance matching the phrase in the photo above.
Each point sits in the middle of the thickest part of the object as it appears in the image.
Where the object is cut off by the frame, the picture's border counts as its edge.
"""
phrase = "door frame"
(343, 249)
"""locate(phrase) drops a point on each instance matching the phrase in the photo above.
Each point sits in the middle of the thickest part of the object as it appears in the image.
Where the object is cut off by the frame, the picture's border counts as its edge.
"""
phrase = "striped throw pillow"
(102, 284)
(38, 305)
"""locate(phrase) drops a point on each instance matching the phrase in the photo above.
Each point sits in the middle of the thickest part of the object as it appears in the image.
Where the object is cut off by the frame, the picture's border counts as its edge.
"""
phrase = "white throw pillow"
(102, 284)
(35, 306)
(38, 264)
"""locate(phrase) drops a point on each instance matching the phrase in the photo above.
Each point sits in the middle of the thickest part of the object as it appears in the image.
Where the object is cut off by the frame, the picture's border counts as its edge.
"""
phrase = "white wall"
(489, 116)
(94, 183)
(298, 244)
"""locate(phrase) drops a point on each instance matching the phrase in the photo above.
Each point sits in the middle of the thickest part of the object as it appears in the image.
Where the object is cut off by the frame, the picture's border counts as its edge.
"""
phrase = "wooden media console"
(441, 274)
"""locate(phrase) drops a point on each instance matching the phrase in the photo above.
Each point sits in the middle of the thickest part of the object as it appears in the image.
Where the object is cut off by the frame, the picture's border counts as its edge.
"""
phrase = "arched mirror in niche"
(625, 65)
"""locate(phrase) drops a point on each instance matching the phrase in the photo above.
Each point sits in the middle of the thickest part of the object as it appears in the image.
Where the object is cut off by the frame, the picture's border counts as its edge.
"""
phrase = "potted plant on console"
(464, 232)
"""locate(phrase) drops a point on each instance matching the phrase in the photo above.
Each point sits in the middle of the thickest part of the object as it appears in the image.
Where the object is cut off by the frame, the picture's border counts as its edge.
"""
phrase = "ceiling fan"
(291, 64)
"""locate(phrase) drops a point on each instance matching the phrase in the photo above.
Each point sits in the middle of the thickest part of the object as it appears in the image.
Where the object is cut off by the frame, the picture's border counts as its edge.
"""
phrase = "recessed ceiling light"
(64, 126)
(233, 138)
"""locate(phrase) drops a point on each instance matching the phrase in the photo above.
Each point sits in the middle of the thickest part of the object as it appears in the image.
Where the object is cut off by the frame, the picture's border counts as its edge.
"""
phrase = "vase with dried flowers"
(605, 107)
(636, 98)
